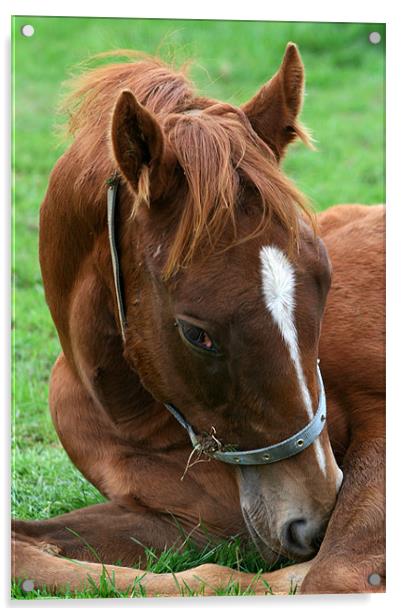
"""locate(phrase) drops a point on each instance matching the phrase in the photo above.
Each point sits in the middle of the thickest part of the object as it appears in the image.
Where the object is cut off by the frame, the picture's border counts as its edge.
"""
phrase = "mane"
(214, 143)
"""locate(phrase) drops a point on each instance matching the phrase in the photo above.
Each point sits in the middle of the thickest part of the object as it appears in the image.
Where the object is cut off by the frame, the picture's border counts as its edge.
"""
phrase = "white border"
(388, 11)
(307, 10)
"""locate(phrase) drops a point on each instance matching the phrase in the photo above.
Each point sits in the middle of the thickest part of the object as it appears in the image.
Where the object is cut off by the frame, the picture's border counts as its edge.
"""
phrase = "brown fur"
(216, 150)
(106, 397)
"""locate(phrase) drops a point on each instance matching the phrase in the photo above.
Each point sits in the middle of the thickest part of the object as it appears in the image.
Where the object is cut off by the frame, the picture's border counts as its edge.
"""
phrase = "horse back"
(352, 346)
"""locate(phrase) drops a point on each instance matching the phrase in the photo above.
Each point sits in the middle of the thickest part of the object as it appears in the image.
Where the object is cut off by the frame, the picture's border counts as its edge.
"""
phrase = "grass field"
(344, 108)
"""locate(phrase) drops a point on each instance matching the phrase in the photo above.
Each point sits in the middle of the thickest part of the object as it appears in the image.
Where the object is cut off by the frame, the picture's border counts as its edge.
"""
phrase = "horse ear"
(136, 137)
(273, 111)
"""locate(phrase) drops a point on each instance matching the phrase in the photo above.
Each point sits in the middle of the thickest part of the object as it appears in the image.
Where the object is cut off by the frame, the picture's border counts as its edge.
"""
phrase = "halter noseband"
(273, 453)
(266, 455)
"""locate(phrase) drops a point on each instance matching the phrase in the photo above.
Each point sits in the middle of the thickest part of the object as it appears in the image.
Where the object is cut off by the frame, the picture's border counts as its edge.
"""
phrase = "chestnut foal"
(189, 313)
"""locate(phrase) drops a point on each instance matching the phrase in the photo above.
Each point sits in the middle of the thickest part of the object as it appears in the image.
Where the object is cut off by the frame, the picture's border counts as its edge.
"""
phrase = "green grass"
(344, 108)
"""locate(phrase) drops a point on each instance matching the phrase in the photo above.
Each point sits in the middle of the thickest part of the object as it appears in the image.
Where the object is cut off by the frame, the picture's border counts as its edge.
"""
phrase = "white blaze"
(278, 285)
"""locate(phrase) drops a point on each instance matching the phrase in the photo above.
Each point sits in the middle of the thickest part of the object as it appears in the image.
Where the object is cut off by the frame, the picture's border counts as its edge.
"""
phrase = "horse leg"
(103, 534)
(352, 556)
(107, 533)
(85, 432)
(42, 563)
(110, 531)
(141, 476)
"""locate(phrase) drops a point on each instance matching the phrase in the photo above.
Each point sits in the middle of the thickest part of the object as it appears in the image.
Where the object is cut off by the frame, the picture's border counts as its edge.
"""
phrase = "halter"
(266, 455)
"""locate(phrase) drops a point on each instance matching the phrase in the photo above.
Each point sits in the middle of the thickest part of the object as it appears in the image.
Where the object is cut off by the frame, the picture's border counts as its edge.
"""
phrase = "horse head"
(225, 284)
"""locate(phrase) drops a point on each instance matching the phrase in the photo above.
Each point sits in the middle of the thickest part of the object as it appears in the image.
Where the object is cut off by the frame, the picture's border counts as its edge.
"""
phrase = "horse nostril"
(299, 537)
(293, 533)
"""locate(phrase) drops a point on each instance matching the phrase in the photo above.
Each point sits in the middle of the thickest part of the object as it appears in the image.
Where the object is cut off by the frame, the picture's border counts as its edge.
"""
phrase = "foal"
(189, 322)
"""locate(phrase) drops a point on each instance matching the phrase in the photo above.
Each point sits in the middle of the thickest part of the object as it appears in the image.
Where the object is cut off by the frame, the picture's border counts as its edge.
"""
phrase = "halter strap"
(111, 215)
(266, 455)
(273, 453)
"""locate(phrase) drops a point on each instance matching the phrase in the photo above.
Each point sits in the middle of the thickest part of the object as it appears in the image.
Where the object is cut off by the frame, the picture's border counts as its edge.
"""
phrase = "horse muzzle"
(284, 518)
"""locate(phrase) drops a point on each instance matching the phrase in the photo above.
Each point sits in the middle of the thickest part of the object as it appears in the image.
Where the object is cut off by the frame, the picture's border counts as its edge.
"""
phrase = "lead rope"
(113, 183)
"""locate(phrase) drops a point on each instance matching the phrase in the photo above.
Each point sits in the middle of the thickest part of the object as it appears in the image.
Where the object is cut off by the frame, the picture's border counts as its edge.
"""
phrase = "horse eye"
(196, 336)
